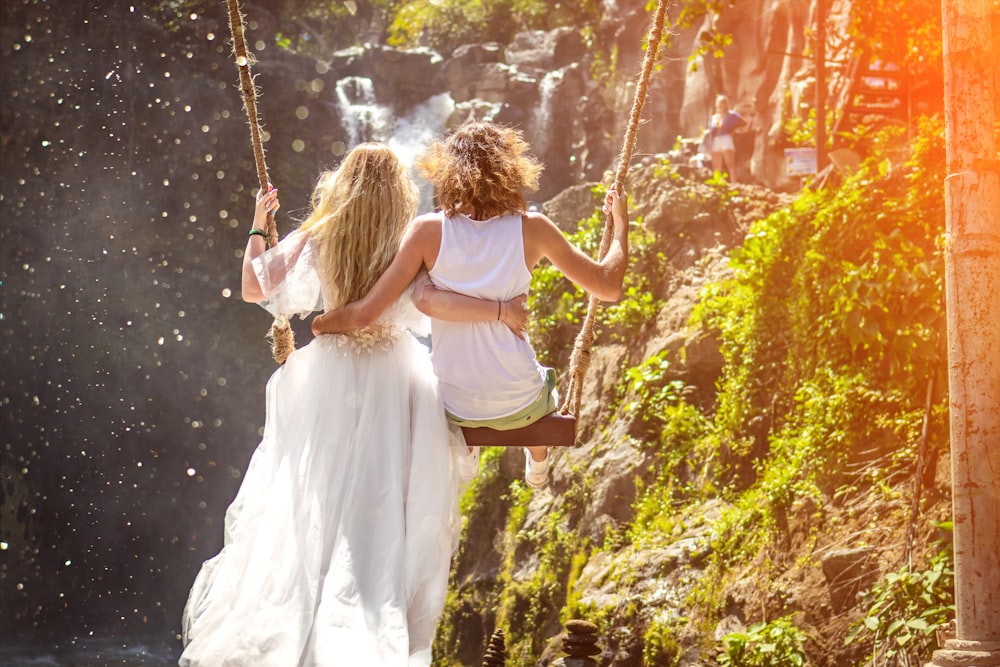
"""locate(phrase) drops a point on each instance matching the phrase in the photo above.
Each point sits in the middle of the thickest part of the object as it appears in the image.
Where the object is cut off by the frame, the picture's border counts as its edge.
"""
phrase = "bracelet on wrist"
(258, 232)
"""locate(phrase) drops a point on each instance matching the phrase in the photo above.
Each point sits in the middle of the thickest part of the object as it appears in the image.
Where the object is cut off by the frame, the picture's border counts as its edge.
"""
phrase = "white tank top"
(483, 369)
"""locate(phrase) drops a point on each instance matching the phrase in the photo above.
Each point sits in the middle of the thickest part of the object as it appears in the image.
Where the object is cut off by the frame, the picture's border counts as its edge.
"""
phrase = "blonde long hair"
(359, 214)
(481, 170)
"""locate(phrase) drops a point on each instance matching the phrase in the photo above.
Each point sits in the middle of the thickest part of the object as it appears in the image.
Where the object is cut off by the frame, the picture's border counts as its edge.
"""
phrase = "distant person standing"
(721, 127)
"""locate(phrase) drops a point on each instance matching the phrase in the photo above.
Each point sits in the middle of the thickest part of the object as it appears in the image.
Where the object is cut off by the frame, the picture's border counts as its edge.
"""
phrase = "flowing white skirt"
(338, 544)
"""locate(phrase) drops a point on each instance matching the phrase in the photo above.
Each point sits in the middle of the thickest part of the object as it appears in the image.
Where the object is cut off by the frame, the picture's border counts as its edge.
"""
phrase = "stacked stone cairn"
(579, 645)
(495, 655)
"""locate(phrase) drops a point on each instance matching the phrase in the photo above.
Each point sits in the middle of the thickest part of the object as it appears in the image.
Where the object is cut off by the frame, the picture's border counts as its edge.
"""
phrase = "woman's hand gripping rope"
(267, 202)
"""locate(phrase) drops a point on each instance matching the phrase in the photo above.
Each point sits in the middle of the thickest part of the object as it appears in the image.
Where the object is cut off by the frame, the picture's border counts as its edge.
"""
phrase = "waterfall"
(408, 135)
(363, 119)
(414, 132)
(543, 113)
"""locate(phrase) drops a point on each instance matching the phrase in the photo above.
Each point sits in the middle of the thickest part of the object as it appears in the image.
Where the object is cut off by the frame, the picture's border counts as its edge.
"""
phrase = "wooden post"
(972, 286)
(820, 85)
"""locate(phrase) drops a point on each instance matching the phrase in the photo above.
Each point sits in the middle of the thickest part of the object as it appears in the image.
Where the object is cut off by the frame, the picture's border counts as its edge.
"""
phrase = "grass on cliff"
(832, 329)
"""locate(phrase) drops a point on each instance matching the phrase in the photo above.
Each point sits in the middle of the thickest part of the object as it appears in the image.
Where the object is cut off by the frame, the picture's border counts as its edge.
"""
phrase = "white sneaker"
(536, 473)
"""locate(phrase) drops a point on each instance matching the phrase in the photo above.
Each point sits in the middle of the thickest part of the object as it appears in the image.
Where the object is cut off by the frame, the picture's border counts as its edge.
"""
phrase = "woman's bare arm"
(452, 306)
(256, 245)
(601, 278)
(418, 241)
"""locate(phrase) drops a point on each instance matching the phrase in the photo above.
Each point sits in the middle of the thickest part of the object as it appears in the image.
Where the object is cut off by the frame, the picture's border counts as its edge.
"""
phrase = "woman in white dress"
(338, 543)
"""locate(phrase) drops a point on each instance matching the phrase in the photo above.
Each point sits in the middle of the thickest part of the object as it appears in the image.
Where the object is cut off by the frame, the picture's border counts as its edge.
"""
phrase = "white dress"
(338, 543)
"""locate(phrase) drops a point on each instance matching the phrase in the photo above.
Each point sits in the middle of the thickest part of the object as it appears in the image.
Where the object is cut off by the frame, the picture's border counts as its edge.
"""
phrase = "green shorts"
(545, 404)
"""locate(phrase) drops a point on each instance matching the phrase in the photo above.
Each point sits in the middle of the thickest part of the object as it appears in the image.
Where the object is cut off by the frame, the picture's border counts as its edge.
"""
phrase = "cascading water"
(364, 120)
(543, 113)
(415, 131)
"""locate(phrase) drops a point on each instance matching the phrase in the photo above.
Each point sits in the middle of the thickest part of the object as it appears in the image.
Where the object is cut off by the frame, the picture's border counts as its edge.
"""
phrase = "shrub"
(904, 610)
(775, 644)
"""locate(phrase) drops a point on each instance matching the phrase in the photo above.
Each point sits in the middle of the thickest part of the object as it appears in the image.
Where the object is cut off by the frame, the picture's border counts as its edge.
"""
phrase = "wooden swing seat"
(557, 430)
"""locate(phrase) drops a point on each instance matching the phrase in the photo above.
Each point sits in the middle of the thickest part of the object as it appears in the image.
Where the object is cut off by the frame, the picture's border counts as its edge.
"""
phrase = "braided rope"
(282, 339)
(580, 359)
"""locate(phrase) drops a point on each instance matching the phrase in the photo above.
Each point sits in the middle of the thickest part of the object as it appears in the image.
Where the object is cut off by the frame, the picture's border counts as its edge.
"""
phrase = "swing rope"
(282, 339)
(580, 359)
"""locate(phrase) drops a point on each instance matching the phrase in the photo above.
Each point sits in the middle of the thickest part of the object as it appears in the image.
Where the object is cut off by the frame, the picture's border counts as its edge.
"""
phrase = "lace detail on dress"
(365, 339)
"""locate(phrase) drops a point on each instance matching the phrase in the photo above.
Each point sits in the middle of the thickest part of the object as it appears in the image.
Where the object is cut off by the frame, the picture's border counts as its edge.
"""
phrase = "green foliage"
(603, 66)
(678, 435)
(775, 644)
(829, 329)
(683, 449)
(659, 642)
(447, 24)
(483, 518)
(899, 34)
(526, 604)
(484, 483)
(832, 414)
(647, 386)
(318, 27)
(801, 131)
(904, 610)
(710, 40)
(845, 282)
(906, 33)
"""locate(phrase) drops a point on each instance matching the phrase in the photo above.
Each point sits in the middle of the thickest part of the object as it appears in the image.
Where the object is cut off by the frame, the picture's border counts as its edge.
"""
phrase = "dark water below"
(90, 653)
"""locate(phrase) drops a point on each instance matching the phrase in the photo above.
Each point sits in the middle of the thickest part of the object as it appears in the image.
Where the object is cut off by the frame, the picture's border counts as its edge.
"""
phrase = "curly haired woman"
(485, 243)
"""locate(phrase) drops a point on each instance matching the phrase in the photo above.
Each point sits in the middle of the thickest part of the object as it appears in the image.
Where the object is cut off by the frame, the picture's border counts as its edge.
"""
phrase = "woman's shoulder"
(540, 233)
(432, 218)
(536, 219)
(426, 224)
(425, 230)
